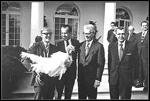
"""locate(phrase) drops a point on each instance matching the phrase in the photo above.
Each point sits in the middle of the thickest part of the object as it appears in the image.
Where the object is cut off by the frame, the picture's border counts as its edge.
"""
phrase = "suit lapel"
(125, 49)
(92, 45)
(146, 36)
(83, 48)
(116, 50)
(62, 46)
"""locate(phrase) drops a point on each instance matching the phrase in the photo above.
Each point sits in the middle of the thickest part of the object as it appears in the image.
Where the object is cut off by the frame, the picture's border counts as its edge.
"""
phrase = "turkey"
(56, 65)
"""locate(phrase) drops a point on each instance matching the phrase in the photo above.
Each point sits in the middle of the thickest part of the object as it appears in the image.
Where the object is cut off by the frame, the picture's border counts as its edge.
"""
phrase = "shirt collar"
(123, 44)
(68, 41)
(46, 43)
(90, 42)
(144, 32)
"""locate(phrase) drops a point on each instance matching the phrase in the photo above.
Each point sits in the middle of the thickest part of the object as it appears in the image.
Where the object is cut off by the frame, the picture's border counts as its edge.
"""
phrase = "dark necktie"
(67, 43)
(121, 51)
(87, 48)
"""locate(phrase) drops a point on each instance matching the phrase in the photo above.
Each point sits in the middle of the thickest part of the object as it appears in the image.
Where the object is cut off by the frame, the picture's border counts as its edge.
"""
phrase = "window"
(10, 23)
(123, 19)
(66, 14)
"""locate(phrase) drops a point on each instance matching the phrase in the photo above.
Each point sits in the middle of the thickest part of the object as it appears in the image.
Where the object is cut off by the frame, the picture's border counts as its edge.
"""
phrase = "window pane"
(3, 29)
(3, 42)
(122, 23)
(57, 27)
(17, 36)
(56, 20)
(57, 32)
(62, 20)
(3, 23)
(11, 23)
(66, 9)
(70, 21)
(11, 36)
(11, 42)
(11, 29)
(17, 42)
(3, 35)
(121, 13)
(17, 30)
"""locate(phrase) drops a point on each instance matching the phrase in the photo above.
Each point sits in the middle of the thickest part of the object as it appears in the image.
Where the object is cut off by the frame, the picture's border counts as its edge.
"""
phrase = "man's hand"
(67, 64)
(96, 83)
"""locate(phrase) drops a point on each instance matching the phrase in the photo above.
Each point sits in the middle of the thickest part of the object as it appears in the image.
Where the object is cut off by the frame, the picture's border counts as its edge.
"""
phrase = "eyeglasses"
(88, 33)
(47, 33)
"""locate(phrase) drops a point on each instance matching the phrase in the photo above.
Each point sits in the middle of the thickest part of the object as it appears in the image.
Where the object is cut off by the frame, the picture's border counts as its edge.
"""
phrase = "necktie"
(143, 36)
(87, 48)
(46, 50)
(67, 43)
(121, 51)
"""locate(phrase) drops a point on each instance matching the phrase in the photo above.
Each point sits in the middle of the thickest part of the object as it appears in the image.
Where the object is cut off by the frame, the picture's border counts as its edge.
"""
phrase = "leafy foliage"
(12, 68)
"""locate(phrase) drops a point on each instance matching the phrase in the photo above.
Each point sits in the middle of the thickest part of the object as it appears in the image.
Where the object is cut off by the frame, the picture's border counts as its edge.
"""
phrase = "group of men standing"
(90, 55)
(127, 60)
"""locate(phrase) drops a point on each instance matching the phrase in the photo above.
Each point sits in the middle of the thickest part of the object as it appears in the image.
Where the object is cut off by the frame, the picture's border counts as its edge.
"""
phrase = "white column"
(110, 15)
(37, 13)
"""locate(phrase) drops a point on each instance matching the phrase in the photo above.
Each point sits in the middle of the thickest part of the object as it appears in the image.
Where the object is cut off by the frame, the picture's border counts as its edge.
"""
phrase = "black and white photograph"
(74, 50)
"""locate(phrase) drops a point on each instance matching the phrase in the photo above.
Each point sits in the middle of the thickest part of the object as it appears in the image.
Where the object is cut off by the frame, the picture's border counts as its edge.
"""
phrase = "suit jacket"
(39, 49)
(133, 38)
(91, 67)
(71, 71)
(143, 47)
(111, 36)
(121, 71)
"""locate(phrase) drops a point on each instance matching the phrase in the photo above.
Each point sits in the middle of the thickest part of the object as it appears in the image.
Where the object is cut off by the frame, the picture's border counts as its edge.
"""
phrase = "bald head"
(130, 29)
(46, 30)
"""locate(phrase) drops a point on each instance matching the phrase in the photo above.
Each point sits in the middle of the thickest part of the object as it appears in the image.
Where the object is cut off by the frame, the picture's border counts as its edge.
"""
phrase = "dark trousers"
(122, 91)
(66, 83)
(47, 90)
(85, 91)
(143, 71)
(38, 92)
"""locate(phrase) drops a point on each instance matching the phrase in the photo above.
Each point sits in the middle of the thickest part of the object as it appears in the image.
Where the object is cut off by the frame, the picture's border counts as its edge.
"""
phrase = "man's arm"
(100, 62)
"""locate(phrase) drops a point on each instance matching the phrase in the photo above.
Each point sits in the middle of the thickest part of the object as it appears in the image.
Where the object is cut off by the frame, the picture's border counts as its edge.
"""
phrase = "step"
(135, 95)
(25, 91)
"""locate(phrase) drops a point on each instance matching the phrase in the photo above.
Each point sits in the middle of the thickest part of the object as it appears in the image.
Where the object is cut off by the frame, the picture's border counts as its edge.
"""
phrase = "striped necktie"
(46, 50)
(87, 48)
(121, 51)
(143, 36)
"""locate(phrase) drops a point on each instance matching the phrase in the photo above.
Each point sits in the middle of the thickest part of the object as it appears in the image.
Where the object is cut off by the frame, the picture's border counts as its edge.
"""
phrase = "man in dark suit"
(143, 51)
(91, 64)
(111, 37)
(44, 85)
(68, 79)
(121, 61)
(131, 37)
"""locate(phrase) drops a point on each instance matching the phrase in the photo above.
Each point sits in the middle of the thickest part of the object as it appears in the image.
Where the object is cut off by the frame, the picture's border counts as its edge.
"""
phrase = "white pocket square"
(128, 54)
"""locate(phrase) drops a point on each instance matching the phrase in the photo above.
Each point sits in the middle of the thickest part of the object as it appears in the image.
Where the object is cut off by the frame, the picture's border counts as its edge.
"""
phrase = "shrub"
(12, 68)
